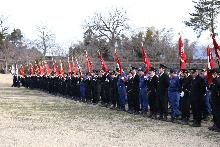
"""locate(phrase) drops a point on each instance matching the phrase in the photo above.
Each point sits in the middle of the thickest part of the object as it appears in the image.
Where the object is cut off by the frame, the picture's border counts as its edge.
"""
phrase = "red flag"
(211, 62)
(21, 71)
(48, 69)
(217, 48)
(55, 68)
(102, 61)
(69, 67)
(42, 69)
(36, 69)
(118, 62)
(73, 67)
(61, 69)
(182, 53)
(211, 65)
(145, 59)
(79, 69)
(87, 62)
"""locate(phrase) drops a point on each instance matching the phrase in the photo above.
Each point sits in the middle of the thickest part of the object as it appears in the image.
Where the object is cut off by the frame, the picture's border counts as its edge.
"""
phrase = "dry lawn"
(33, 118)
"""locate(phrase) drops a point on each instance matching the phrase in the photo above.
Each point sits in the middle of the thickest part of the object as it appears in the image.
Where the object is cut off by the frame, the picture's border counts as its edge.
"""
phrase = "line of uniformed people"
(184, 92)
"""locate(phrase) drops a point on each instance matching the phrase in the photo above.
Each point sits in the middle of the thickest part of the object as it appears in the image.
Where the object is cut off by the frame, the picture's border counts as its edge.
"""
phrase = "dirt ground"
(33, 118)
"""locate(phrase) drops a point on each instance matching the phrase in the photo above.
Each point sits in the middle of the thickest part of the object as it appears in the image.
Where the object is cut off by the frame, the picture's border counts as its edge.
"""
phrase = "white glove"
(182, 94)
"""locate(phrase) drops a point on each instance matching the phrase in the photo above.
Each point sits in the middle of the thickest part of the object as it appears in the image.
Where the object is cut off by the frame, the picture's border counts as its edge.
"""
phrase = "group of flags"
(211, 61)
(74, 66)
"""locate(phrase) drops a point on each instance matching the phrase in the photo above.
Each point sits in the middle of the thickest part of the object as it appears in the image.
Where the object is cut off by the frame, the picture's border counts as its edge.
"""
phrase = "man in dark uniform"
(152, 93)
(184, 96)
(114, 89)
(88, 88)
(162, 92)
(129, 84)
(215, 98)
(198, 90)
(107, 89)
(93, 86)
(97, 88)
(135, 94)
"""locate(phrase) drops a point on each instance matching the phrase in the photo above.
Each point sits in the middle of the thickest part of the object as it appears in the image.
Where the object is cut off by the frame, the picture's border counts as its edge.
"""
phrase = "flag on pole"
(21, 71)
(47, 68)
(118, 62)
(69, 67)
(217, 48)
(182, 53)
(73, 67)
(88, 64)
(102, 61)
(211, 64)
(42, 69)
(55, 68)
(36, 69)
(79, 69)
(61, 69)
(145, 59)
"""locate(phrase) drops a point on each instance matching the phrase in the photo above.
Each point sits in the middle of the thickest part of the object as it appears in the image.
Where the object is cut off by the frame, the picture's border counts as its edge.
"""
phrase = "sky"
(66, 17)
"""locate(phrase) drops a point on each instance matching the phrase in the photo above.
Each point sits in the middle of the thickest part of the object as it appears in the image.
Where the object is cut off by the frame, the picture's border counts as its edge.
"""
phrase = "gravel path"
(32, 118)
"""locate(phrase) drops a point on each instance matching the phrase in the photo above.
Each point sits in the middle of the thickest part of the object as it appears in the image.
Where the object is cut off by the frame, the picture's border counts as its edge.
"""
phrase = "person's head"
(112, 74)
(173, 72)
(215, 72)
(130, 74)
(184, 73)
(152, 72)
(194, 73)
(162, 68)
(117, 71)
(133, 71)
(204, 72)
(140, 71)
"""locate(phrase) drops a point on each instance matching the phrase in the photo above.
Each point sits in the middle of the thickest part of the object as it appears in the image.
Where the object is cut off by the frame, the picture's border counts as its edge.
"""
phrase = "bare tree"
(46, 40)
(109, 26)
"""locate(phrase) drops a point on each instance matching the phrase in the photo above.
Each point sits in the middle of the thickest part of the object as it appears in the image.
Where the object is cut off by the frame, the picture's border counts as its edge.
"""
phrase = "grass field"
(34, 118)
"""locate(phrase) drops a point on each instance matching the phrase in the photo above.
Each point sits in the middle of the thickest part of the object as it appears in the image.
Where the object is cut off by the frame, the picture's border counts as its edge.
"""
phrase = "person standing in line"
(163, 85)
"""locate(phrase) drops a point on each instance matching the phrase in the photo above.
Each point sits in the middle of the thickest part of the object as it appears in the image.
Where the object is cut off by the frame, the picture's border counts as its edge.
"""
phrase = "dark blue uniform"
(174, 96)
(143, 98)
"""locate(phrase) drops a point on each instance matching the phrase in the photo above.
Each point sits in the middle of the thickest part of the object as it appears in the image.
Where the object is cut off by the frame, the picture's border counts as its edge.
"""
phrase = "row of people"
(185, 92)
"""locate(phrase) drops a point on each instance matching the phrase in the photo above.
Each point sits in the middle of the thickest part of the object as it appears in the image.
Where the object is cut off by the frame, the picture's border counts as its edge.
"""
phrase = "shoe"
(212, 128)
(143, 112)
(130, 111)
(173, 119)
(154, 116)
(164, 118)
(160, 117)
(112, 107)
(136, 113)
(184, 122)
(117, 108)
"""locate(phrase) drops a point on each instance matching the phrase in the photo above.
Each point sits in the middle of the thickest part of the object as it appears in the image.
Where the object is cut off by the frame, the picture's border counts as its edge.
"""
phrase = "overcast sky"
(65, 17)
